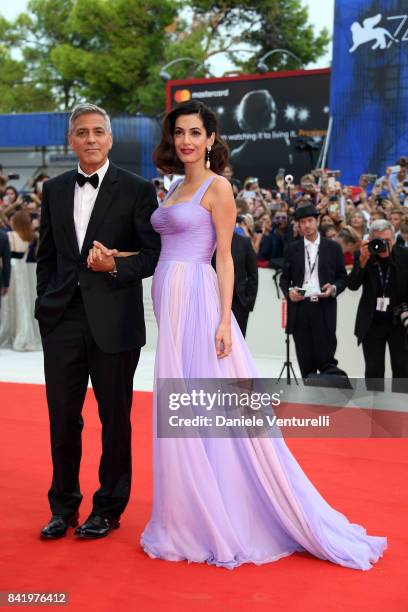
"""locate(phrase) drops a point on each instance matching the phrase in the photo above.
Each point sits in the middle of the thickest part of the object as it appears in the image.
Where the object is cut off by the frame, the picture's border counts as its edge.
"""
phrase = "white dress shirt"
(312, 248)
(84, 201)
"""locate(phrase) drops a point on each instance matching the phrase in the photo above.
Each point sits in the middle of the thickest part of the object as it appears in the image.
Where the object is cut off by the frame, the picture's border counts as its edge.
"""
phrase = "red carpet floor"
(365, 479)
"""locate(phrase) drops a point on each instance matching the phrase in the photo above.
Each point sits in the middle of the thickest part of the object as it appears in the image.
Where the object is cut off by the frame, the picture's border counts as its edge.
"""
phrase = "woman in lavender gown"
(223, 501)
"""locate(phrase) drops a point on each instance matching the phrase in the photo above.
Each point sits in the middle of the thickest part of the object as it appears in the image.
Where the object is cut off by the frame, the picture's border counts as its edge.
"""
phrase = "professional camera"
(404, 316)
(370, 178)
(401, 315)
(318, 172)
(377, 245)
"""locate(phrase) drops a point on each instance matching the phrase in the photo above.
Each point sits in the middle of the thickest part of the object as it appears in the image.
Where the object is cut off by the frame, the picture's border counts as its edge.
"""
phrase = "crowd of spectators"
(19, 222)
(27, 201)
(267, 214)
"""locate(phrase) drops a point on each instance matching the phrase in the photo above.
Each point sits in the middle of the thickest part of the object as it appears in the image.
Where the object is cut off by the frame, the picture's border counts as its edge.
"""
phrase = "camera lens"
(377, 245)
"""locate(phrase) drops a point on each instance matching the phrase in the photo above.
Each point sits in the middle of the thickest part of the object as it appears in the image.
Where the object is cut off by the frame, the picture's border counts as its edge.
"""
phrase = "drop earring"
(208, 163)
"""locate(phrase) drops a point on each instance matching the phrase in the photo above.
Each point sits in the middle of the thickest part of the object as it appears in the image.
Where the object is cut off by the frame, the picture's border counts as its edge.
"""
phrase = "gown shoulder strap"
(201, 190)
(173, 188)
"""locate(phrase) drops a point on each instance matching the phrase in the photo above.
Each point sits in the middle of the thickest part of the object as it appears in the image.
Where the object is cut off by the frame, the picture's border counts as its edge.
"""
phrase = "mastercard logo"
(182, 95)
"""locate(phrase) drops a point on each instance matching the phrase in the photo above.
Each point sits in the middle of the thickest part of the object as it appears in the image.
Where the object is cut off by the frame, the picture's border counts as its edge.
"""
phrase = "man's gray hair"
(380, 225)
(85, 109)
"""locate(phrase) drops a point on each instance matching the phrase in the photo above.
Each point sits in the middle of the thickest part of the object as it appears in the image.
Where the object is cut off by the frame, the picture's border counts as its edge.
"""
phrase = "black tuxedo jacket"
(120, 219)
(245, 271)
(5, 267)
(330, 269)
(368, 278)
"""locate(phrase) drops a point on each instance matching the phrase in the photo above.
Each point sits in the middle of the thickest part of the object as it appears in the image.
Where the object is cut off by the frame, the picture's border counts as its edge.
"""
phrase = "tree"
(111, 51)
(100, 50)
(261, 27)
(18, 91)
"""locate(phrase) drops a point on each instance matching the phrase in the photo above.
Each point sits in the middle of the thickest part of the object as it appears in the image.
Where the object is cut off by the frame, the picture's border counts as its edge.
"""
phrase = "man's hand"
(101, 259)
(327, 290)
(364, 254)
(4, 291)
(104, 250)
(295, 296)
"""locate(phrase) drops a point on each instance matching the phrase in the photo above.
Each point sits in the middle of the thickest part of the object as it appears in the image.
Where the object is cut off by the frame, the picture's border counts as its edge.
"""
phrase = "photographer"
(381, 268)
(313, 276)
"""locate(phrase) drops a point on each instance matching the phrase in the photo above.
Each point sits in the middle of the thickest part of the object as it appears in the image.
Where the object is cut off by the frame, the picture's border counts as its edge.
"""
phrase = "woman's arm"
(220, 197)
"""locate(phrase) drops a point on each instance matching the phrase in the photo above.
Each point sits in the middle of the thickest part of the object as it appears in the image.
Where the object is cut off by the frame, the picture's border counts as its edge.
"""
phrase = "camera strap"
(311, 268)
(384, 282)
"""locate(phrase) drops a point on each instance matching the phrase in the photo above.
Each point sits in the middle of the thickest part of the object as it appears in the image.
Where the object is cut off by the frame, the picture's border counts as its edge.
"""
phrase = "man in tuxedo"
(5, 268)
(245, 279)
(384, 278)
(92, 323)
(313, 276)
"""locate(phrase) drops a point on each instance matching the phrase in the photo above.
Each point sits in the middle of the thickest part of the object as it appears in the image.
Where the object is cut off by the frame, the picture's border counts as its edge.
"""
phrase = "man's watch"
(333, 292)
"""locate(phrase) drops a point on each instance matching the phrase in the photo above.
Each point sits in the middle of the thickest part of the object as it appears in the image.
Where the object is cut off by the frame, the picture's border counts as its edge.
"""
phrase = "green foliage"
(18, 93)
(267, 25)
(110, 52)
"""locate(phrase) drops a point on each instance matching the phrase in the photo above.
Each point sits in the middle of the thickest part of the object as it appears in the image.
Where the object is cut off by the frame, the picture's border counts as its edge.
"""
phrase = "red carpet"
(365, 479)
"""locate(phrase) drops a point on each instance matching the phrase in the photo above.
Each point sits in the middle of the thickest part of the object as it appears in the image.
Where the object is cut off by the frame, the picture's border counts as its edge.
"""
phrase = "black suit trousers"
(241, 314)
(71, 357)
(315, 341)
(383, 332)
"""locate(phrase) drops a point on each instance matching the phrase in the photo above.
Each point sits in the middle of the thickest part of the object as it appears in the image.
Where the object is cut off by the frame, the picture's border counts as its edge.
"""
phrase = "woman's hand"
(223, 341)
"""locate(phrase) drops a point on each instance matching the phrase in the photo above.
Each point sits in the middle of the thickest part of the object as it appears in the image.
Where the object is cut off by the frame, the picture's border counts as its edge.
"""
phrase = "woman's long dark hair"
(164, 155)
(22, 225)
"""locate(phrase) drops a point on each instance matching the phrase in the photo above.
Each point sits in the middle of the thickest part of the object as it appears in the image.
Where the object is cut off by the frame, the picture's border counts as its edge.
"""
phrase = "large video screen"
(266, 118)
(369, 91)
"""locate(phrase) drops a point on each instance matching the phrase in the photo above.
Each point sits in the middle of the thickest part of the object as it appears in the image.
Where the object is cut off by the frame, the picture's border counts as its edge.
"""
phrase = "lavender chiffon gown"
(218, 500)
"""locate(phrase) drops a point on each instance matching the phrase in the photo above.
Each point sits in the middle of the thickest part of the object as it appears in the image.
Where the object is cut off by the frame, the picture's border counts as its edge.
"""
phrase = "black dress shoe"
(58, 526)
(97, 526)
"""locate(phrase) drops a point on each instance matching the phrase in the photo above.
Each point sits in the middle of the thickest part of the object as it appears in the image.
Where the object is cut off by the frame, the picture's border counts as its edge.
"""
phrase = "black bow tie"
(81, 179)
